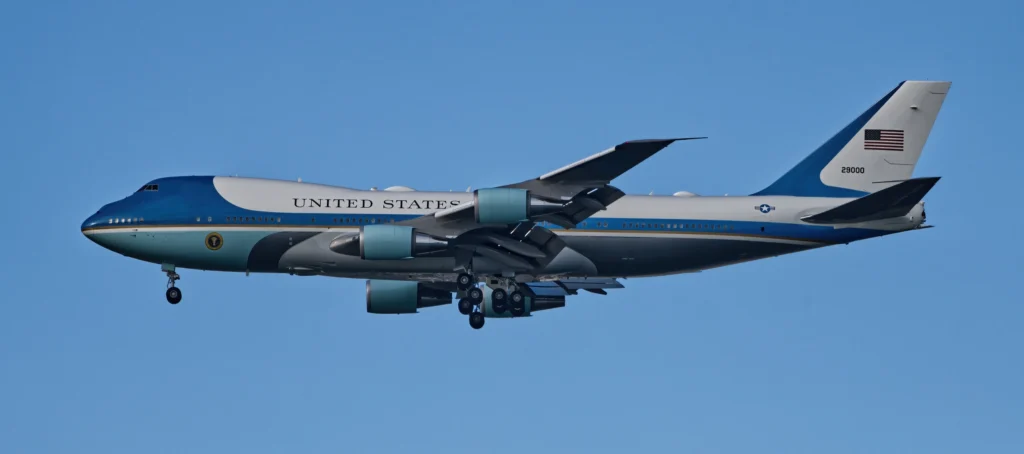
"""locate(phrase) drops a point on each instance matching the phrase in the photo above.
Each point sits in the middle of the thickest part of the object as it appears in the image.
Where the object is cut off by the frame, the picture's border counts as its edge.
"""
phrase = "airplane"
(531, 244)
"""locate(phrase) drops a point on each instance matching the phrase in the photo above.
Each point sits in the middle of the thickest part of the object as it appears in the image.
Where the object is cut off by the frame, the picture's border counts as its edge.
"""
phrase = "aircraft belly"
(631, 256)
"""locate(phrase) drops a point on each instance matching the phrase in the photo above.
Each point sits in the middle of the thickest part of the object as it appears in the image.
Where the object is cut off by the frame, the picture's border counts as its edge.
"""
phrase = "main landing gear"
(505, 297)
(471, 303)
(173, 293)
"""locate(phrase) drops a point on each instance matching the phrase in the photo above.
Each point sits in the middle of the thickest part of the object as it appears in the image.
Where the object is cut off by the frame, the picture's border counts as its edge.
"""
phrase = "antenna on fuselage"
(300, 179)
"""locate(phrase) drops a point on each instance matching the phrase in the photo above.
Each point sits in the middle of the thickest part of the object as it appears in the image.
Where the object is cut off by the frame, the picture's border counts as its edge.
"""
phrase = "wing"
(501, 224)
(572, 193)
(595, 171)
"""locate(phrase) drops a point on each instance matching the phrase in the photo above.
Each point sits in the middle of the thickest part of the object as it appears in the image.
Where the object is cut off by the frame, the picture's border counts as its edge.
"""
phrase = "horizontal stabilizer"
(891, 202)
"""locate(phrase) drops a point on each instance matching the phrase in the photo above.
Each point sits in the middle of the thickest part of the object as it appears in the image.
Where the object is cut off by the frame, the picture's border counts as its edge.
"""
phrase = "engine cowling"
(402, 297)
(508, 205)
(386, 242)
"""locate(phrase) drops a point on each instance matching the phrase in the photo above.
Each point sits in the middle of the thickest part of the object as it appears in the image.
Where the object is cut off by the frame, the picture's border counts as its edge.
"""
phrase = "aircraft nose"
(90, 222)
(100, 218)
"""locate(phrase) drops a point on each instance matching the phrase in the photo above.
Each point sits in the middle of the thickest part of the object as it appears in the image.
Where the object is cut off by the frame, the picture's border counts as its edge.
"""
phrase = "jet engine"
(386, 242)
(402, 297)
(508, 205)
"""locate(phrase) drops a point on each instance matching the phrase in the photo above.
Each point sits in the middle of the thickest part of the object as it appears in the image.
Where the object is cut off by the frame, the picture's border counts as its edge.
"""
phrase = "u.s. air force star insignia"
(765, 208)
(214, 241)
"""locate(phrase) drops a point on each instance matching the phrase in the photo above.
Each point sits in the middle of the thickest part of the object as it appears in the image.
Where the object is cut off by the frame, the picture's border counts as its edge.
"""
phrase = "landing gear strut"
(173, 293)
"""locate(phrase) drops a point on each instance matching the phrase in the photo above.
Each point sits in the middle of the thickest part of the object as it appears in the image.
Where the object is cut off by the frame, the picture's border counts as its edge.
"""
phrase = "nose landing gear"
(173, 293)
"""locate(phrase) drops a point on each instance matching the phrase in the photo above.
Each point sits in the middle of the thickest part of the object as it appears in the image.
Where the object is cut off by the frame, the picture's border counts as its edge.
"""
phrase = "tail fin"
(877, 150)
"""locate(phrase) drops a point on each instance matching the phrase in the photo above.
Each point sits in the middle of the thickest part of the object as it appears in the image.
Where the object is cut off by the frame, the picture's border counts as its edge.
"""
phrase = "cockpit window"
(149, 187)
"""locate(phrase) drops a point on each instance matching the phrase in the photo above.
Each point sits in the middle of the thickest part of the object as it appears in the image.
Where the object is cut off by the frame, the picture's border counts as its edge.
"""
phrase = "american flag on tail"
(883, 139)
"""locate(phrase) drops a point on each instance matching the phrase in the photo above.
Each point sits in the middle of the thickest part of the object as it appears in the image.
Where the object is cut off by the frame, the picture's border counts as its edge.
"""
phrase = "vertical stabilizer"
(878, 149)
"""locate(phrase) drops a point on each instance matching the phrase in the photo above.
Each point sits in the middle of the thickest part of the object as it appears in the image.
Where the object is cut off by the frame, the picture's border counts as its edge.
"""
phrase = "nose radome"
(94, 221)
(89, 222)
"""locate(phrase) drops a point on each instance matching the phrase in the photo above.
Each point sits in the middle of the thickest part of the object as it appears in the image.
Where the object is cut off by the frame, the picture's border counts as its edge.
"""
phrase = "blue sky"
(909, 343)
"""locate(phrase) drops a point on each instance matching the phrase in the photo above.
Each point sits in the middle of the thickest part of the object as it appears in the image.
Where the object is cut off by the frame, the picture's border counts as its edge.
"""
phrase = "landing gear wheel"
(517, 304)
(475, 295)
(499, 306)
(499, 295)
(173, 295)
(466, 306)
(476, 320)
(516, 297)
(464, 281)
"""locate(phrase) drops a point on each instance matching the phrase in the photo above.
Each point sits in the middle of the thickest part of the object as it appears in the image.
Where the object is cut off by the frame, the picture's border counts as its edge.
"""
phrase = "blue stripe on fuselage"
(194, 201)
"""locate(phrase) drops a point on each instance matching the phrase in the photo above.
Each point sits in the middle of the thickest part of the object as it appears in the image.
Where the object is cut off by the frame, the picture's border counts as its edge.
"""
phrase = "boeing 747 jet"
(514, 250)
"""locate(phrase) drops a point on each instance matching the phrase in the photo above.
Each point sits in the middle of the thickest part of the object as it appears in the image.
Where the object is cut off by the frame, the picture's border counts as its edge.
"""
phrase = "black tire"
(464, 281)
(173, 295)
(466, 306)
(499, 306)
(499, 295)
(516, 297)
(517, 309)
(475, 295)
(476, 320)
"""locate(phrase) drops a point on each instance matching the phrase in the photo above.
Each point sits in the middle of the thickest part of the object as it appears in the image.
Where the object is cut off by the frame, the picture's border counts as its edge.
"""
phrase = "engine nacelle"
(508, 205)
(402, 297)
(386, 242)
